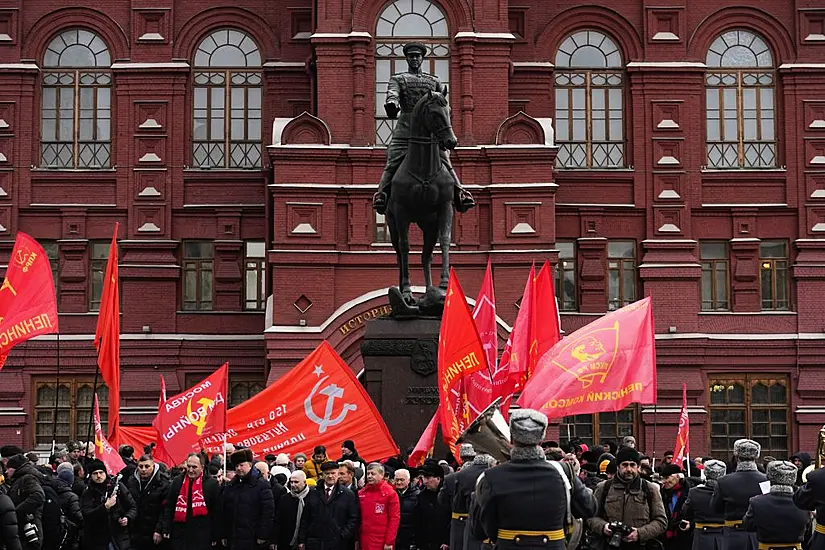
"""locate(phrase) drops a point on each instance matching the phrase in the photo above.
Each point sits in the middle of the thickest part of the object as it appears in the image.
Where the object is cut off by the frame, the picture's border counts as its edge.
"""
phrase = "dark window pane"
(713, 251)
(773, 249)
(759, 394)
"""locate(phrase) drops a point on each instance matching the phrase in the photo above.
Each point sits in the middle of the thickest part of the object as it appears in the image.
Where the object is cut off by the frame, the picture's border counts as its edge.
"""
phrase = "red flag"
(459, 355)
(107, 336)
(516, 355)
(103, 450)
(486, 384)
(28, 306)
(424, 447)
(601, 367)
(319, 402)
(682, 448)
(187, 418)
(544, 321)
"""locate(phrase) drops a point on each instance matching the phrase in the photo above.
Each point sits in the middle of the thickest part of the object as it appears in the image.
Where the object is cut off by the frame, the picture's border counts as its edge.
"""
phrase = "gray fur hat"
(746, 449)
(781, 472)
(714, 469)
(527, 427)
(466, 451)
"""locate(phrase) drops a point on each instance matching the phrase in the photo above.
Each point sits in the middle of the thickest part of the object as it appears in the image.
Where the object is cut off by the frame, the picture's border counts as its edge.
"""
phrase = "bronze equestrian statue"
(424, 186)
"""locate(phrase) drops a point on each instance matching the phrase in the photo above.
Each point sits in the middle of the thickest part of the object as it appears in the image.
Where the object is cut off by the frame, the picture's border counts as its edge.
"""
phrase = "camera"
(30, 531)
(619, 531)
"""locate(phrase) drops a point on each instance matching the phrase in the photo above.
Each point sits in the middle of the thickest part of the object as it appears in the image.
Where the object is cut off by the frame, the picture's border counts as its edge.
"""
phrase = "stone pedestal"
(400, 374)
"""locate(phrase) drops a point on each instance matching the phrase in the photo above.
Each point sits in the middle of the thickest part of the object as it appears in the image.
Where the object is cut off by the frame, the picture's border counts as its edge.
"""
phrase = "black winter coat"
(675, 538)
(28, 497)
(248, 512)
(408, 501)
(197, 533)
(150, 499)
(286, 514)
(9, 538)
(432, 521)
(329, 525)
(100, 526)
(69, 503)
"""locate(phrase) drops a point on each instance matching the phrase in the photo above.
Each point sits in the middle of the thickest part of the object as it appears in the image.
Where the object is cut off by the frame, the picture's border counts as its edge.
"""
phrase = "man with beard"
(774, 517)
(23, 481)
(148, 487)
(631, 500)
(674, 492)
(380, 513)
(811, 497)
(408, 501)
(432, 519)
(248, 507)
(734, 491)
(288, 511)
(707, 524)
(108, 510)
(192, 518)
(330, 519)
(456, 493)
(528, 502)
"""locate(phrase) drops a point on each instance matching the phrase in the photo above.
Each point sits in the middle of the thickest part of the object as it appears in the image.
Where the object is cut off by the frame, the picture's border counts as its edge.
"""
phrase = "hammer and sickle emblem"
(7, 285)
(332, 392)
(195, 418)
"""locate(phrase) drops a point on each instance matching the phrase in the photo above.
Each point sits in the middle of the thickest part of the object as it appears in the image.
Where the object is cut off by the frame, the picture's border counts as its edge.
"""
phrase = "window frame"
(748, 382)
(770, 264)
(257, 265)
(559, 279)
(76, 412)
(54, 262)
(621, 270)
(596, 423)
(198, 269)
(713, 264)
(381, 229)
(96, 265)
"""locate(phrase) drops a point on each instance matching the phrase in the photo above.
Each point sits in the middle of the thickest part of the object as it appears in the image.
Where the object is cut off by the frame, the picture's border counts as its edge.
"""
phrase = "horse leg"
(430, 231)
(445, 233)
(404, 260)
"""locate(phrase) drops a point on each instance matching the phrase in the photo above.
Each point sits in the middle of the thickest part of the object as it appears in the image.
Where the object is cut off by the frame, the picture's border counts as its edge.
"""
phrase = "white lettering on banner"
(277, 430)
(195, 418)
(286, 443)
(277, 412)
(176, 402)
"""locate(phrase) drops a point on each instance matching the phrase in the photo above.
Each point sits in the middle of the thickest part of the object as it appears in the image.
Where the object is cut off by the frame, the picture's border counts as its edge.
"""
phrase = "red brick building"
(675, 151)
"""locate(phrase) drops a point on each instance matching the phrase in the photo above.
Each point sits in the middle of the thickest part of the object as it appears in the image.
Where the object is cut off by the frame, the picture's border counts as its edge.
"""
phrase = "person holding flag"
(108, 509)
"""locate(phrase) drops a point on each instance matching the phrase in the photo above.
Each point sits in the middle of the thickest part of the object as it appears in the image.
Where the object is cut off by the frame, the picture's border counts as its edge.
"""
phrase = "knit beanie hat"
(746, 449)
(282, 459)
(527, 427)
(349, 444)
(628, 454)
(95, 466)
(66, 476)
(781, 472)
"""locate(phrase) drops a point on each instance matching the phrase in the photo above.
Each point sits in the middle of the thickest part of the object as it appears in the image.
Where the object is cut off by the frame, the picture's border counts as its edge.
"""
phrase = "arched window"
(589, 84)
(76, 115)
(227, 94)
(740, 102)
(405, 21)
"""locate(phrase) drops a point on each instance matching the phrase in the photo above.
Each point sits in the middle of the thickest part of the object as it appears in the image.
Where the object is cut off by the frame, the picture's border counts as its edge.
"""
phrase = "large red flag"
(460, 354)
(318, 402)
(103, 450)
(602, 367)
(426, 442)
(107, 336)
(682, 448)
(28, 306)
(198, 413)
(515, 358)
(544, 321)
(486, 384)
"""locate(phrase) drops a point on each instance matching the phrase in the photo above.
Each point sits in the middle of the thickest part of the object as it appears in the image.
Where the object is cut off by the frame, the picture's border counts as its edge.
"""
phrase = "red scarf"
(198, 502)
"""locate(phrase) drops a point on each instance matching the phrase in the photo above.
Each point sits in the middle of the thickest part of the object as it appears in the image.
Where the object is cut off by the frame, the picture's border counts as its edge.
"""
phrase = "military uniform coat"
(697, 509)
(731, 498)
(456, 493)
(527, 495)
(776, 519)
(811, 496)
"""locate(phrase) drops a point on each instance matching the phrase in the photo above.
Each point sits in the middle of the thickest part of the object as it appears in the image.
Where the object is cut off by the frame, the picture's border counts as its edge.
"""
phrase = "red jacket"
(380, 516)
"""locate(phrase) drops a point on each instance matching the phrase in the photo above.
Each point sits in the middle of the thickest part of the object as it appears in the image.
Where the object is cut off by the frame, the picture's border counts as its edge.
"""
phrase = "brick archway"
(38, 38)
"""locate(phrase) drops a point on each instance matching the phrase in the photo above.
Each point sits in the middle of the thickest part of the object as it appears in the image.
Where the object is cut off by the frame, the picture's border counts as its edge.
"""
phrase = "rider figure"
(403, 92)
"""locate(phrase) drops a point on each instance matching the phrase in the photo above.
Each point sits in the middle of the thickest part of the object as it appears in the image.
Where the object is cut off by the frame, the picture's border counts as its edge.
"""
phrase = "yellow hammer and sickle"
(197, 421)
(99, 445)
(7, 284)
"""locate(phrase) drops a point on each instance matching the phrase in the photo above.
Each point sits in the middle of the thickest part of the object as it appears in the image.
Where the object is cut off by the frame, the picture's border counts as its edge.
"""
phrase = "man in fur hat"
(456, 494)
(778, 523)
(527, 502)
(811, 496)
(734, 491)
(707, 524)
(248, 506)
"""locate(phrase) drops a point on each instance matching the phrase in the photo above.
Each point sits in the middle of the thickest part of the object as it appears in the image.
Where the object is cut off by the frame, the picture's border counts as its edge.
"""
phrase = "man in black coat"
(774, 517)
(707, 524)
(69, 503)
(288, 511)
(149, 487)
(248, 506)
(734, 491)
(523, 503)
(408, 502)
(192, 517)
(108, 509)
(9, 536)
(432, 518)
(331, 514)
(28, 497)
(811, 496)
(456, 493)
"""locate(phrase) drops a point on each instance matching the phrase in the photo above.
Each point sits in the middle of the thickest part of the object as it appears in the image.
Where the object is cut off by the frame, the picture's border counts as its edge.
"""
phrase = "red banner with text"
(103, 449)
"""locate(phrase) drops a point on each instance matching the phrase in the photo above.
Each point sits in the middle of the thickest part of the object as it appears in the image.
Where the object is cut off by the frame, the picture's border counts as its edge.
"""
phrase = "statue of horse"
(422, 193)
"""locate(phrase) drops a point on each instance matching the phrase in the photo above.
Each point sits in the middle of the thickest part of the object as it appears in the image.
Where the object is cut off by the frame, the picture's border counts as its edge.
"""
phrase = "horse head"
(435, 111)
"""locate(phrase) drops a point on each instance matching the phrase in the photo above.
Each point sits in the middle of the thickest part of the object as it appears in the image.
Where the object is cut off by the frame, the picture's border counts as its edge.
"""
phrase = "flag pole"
(655, 421)
(56, 397)
(92, 410)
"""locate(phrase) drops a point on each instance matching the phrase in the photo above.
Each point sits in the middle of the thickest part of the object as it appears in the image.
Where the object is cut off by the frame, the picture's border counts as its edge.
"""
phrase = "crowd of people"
(545, 495)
